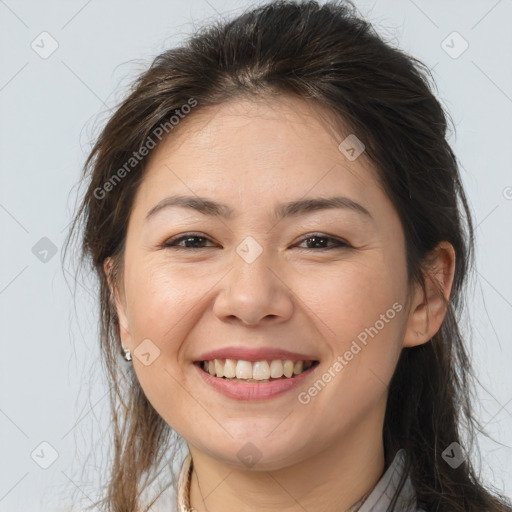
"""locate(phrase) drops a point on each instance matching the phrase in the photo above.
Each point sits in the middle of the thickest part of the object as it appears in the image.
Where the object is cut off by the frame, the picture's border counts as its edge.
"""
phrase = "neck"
(333, 479)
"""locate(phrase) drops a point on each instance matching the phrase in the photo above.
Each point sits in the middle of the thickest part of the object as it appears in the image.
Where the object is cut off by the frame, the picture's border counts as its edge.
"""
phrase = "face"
(327, 284)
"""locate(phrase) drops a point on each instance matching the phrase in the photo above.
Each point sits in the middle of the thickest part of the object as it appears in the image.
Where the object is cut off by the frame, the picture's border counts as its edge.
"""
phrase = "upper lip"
(254, 354)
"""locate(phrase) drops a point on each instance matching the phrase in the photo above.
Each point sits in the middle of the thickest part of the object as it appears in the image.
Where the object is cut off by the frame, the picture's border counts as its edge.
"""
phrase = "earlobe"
(117, 303)
(429, 303)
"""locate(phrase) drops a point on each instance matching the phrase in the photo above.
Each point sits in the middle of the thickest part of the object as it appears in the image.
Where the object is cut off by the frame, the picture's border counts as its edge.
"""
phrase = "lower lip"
(253, 390)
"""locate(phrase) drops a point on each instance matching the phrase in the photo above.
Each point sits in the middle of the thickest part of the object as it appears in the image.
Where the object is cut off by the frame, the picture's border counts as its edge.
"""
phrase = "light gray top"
(378, 500)
(383, 492)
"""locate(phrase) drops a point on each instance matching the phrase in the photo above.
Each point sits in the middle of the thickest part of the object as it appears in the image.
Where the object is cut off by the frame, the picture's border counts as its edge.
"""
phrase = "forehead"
(246, 150)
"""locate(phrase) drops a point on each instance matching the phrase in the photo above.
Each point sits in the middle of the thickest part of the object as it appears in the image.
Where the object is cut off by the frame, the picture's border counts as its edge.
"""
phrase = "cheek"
(160, 302)
(358, 309)
(353, 295)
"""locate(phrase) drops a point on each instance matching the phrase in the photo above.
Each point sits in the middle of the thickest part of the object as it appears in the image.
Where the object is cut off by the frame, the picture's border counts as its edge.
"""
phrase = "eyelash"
(171, 243)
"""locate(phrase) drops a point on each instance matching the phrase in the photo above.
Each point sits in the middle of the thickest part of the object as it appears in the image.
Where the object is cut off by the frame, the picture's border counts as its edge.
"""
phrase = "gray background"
(51, 388)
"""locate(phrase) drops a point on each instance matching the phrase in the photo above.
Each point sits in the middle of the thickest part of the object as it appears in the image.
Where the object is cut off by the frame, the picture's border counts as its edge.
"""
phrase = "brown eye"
(189, 238)
(319, 241)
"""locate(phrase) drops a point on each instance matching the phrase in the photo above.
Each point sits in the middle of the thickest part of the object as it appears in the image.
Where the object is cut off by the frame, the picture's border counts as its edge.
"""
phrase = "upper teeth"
(259, 370)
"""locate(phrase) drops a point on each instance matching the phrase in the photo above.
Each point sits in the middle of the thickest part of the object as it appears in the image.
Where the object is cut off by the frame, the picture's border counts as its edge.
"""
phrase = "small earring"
(126, 353)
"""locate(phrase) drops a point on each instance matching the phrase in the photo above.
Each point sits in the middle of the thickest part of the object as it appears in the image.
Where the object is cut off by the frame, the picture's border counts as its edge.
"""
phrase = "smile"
(258, 380)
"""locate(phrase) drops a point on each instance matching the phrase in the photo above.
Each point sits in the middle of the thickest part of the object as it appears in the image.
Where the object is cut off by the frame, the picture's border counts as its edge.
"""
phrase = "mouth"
(251, 372)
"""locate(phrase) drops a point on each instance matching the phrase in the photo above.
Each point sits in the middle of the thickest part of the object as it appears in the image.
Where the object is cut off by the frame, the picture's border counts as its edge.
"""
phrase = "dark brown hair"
(330, 55)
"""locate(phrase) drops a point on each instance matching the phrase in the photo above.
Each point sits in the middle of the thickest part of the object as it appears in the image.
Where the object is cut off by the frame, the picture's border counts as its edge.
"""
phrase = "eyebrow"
(303, 206)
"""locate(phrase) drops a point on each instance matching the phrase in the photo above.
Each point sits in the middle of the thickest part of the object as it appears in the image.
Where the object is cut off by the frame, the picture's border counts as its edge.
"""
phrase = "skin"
(252, 155)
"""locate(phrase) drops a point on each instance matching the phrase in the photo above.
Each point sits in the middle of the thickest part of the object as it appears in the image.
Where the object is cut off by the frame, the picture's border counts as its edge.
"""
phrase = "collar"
(377, 501)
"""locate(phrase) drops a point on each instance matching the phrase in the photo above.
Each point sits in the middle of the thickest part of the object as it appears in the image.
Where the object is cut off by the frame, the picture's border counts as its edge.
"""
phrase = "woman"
(282, 241)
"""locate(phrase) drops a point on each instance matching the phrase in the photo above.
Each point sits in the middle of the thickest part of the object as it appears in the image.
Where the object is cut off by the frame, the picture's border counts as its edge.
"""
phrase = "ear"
(118, 303)
(429, 305)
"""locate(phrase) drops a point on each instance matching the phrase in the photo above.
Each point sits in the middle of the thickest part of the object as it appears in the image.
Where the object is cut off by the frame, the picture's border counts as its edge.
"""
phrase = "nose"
(253, 293)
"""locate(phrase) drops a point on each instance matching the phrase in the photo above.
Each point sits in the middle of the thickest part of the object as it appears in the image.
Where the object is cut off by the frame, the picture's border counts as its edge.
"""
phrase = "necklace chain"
(186, 506)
